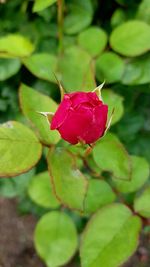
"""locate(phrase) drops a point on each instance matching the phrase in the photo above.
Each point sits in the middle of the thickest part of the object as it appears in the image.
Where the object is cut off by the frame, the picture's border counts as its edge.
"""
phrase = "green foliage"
(141, 203)
(115, 101)
(40, 4)
(109, 67)
(76, 76)
(137, 71)
(110, 155)
(139, 175)
(16, 142)
(108, 231)
(55, 238)
(143, 11)
(118, 17)
(99, 193)
(31, 103)
(8, 68)
(66, 179)
(16, 186)
(79, 16)
(93, 40)
(15, 45)
(42, 66)
(69, 38)
(131, 38)
(40, 191)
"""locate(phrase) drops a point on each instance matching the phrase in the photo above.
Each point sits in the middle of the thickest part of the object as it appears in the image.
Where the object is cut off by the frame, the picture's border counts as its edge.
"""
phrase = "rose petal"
(75, 124)
(78, 98)
(61, 113)
(94, 98)
(97, 126)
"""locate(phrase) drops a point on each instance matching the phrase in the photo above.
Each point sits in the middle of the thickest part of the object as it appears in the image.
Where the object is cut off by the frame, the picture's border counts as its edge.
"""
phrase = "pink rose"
(80, 117)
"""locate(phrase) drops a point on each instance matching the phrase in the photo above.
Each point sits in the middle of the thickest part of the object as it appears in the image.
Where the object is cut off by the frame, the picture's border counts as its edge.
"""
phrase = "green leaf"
(95, 170)
(8, 68)
(99, 193)
(68, 182)
(142, 203)
(40, 4)
(114, 101)
(128, 4)
(55, 238)
(111, 137)
(110, 155)
(79, 16)
(15, 45)
(129, 126)
(76, 76)
(137, 71)
(42, 66)
(131, 38)
(40, 191)
(110, 237)
(139, 175)
(143, 12)
(118, 17)
(32, 101)
(78, 150)
(93, 40)
(20, 149)
(21, 182)
(109, 67)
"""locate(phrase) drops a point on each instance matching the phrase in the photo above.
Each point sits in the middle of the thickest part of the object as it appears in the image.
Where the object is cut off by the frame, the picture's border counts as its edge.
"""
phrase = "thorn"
(62, 91)
(48, 115)
(110, 120)
(98, 89)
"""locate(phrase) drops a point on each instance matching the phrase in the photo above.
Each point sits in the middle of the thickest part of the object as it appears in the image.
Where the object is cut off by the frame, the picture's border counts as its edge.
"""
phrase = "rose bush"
(88, 200)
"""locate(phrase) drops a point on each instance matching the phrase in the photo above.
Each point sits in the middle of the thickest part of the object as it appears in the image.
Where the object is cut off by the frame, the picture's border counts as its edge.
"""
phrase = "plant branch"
(60, 24)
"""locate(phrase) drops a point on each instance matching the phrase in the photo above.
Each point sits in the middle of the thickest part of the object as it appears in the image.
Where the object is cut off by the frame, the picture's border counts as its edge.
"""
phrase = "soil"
(16, 241)
(16, 244)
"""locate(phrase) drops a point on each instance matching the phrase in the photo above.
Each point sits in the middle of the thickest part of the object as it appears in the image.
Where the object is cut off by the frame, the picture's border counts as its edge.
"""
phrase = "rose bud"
(81, 117)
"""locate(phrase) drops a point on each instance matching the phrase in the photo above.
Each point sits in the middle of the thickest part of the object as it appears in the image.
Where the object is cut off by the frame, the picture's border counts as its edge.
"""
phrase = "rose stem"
(60, 19)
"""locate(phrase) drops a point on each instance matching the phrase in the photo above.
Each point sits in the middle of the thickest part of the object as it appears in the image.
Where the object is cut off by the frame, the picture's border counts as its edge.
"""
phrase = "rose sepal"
(49, 115)
(98, 89)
